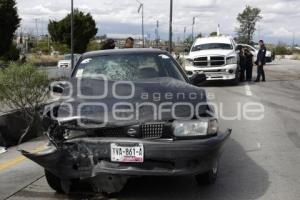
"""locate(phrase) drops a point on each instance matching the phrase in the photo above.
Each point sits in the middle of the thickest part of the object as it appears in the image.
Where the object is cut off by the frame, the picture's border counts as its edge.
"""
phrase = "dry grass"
(296, 56)
(40, 59)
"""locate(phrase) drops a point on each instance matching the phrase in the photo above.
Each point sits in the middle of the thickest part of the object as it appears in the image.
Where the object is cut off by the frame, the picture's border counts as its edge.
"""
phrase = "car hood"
(122, 103)
(214, 52)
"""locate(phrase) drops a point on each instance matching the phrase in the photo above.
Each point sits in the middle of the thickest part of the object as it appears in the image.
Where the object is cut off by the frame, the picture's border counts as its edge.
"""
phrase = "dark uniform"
(249, 65)
(260, 62)
(243, 65)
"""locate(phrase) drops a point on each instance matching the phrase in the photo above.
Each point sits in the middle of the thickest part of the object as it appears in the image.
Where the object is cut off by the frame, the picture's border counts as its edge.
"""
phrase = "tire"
(210, 177)
(236, 81)
(108, 185)
(54, 182)
(2, 141)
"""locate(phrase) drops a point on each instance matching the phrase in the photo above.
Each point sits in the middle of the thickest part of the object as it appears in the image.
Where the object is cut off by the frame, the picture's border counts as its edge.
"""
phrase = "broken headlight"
(194, 128)
(71, 134)
(189, 62)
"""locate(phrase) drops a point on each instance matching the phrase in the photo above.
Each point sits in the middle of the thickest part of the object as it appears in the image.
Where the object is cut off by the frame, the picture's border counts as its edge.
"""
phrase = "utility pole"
(259, 32)
(170, 26)
(37, 30)
(157, 33)
(184, 32)
(193, 24)
(72, 34)
(141, 7)
(218, 30)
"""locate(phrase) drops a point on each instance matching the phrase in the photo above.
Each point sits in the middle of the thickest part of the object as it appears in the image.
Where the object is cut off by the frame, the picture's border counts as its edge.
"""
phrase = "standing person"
(261, 61)
(242, 64)
(249, 64)
(108, 44)
(129, 43)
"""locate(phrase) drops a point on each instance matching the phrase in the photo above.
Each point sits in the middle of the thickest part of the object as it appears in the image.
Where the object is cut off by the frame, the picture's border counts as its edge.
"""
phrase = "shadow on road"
(240, 178)
(217, 84)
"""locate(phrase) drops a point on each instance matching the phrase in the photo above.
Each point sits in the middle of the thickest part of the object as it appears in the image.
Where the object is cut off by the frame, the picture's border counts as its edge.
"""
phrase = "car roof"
(216, 39)
(123, 51)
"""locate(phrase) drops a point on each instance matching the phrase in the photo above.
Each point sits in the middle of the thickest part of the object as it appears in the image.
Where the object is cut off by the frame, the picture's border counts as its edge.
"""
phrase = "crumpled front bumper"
(88, 157)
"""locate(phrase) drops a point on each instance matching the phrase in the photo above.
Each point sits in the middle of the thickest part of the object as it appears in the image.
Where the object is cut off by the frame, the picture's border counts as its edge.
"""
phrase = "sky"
(280, 17)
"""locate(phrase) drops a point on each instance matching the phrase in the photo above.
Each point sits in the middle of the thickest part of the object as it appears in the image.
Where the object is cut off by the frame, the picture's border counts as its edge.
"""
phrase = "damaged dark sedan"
(127, 113)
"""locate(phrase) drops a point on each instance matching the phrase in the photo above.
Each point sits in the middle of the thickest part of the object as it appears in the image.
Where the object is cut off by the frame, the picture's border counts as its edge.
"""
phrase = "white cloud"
(281, 32)
(120, 16)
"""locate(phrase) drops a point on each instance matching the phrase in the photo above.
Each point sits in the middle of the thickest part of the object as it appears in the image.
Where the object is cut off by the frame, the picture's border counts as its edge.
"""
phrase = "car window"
(67, 57)
(128, 67)
(210, 46)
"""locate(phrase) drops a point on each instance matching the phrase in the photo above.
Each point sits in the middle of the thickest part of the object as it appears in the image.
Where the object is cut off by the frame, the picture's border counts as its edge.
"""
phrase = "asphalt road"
(261, 160)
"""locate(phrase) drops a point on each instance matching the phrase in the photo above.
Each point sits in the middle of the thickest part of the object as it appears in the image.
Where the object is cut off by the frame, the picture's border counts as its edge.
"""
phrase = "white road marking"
(248, 90)
(258, 145)
(2, 150)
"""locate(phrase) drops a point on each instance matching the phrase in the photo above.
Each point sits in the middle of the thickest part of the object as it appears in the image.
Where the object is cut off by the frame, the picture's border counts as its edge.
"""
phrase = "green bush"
(41, 46)
(61, 48)
(281, 49)
(13, 54)
(93, 46)
(23, 87)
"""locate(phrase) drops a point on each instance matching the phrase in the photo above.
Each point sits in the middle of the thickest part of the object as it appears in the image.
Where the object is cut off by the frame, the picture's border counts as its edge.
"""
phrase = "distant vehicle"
(254, 51)
(66, 62)
(216, 57)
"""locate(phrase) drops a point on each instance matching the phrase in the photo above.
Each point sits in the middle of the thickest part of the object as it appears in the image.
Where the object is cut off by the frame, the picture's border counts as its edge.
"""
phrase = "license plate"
(127, 154)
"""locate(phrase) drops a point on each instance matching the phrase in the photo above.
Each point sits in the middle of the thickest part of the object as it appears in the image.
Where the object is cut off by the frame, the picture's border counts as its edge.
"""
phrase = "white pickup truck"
(216, 57)
(66, 61)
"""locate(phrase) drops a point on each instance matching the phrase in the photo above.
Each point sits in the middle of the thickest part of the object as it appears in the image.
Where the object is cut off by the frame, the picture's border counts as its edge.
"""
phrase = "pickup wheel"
(54, 182)
(236, 81)
(210, 177)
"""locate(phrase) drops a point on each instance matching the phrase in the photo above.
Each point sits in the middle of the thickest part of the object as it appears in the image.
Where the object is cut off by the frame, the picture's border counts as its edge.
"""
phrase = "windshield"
(67, 57)
(211, 46)
(128, 67)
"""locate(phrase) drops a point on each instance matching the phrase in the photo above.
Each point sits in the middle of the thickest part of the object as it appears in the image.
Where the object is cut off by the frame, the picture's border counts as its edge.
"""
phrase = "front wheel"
(210, 177)
(54, 182)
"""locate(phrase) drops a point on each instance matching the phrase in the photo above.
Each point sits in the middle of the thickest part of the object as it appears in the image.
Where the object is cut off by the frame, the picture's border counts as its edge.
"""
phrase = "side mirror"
(57, 87)
(238, 48)
(197, 79)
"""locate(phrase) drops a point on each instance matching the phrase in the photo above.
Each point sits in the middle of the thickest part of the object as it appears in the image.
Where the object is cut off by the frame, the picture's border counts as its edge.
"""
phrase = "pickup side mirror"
(238, 48)
(197, 79)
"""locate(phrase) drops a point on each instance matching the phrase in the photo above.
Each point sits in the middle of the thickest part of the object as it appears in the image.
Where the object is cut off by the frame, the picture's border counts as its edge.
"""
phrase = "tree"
(248, 19)
(189, 41)
(23, 88)
(212, 34)
(199, 35)
(9, 23)
(84, 30)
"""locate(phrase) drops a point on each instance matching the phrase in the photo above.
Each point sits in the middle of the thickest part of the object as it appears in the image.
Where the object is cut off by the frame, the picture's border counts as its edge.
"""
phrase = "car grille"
(201, 61)
(217, 61)
(113, 132)
(146, 131)
(154, 130)
(212, 61)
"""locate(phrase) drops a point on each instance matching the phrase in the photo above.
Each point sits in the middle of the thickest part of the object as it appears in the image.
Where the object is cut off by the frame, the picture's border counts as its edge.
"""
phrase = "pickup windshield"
(211, 46)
